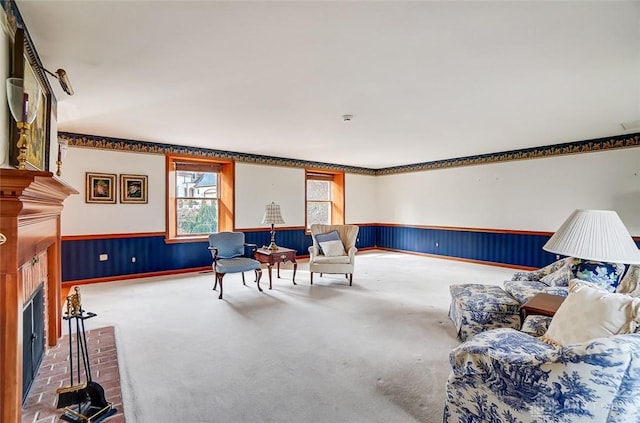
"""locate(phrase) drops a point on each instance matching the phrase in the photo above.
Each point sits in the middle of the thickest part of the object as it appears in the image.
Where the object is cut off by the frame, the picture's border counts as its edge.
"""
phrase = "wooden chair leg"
(258, 276)
(350, 279)
(311, 278)
(220, 276)
(243, 279)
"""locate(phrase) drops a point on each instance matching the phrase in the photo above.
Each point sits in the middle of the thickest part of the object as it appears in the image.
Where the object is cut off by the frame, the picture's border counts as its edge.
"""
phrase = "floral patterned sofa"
(504, 375)
(476, 308)
(551, 279)
(584, 368)
(554, 278)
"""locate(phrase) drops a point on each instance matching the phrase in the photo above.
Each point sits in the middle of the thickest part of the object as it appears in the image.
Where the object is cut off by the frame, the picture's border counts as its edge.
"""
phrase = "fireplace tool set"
(83, 402)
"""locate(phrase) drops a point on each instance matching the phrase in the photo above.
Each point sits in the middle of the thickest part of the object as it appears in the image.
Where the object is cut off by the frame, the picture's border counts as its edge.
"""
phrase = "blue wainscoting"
(518, 249)
(80, 257)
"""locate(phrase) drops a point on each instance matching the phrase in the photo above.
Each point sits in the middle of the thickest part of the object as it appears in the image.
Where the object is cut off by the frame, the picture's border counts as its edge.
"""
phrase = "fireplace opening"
(32, 338)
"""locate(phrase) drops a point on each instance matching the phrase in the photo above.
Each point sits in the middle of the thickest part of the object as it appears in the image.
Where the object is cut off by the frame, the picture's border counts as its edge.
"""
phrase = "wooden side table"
(281, 255)
(542, 303)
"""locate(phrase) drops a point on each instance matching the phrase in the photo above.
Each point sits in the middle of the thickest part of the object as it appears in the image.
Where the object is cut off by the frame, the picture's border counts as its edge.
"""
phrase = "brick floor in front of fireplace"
(40, 405)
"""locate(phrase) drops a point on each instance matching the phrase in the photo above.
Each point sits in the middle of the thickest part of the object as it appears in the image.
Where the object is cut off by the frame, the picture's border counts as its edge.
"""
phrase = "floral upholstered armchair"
(554, 278)
(504, 375)
(551, 279)
(585, 368)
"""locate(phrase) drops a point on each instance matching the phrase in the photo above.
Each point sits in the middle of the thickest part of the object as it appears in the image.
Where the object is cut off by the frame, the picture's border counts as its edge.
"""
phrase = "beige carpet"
(373, 352)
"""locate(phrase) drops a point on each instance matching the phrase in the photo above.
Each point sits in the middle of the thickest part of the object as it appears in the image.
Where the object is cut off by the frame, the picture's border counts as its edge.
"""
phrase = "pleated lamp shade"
(272, 214)
(596, 235)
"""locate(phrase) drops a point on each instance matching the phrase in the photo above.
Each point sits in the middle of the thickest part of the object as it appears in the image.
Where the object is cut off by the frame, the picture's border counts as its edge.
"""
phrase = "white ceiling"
(424, 80)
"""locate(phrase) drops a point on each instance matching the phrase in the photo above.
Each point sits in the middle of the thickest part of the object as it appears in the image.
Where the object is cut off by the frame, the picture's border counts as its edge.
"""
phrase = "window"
(324, 197)
(199, 197)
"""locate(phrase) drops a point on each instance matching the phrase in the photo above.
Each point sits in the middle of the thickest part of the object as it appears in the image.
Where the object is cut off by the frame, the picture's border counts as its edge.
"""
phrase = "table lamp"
(272, 216)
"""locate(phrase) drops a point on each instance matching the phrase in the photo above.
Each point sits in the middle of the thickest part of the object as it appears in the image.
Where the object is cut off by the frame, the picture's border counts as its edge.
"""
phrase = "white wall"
(80, 218)
(535, 195)
(361, 199)
(258, 185)
(255, 187)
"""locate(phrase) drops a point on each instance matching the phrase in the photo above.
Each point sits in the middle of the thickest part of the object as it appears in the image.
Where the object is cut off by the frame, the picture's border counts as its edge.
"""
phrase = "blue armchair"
(228, 251)
(504, 375)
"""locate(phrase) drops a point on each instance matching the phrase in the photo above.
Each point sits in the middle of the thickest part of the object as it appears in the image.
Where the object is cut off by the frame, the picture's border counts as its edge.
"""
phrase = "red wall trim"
(461, 228)
(111, 236)
(445, 228)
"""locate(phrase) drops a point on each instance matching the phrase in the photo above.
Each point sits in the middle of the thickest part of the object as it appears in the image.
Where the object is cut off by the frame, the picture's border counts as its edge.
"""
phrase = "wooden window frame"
(226, 185)
(337, 193)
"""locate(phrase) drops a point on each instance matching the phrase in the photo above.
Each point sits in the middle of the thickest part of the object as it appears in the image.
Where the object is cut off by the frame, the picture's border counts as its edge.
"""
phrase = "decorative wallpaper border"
(118, 144)
(577, 147)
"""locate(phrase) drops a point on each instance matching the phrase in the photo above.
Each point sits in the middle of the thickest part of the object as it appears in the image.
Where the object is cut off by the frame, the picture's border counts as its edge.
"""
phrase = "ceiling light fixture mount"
(63, 78)
(347, 118)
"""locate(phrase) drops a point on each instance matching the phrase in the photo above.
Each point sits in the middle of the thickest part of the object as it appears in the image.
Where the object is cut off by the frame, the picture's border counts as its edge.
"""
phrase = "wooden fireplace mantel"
(30, 208)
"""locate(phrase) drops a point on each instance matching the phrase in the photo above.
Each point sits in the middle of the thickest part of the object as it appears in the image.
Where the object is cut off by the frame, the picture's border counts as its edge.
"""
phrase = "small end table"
(542, 303)
(281, 255)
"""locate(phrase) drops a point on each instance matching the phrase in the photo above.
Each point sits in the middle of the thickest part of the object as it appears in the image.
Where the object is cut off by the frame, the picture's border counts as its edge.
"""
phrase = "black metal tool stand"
(82, 402)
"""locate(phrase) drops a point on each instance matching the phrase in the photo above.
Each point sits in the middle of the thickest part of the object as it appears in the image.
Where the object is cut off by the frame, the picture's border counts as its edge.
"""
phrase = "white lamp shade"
(272, 215)
(596, 235)
(23, 101)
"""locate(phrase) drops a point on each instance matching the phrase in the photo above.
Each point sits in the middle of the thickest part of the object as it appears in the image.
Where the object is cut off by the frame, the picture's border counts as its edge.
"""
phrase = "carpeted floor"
(373, 352)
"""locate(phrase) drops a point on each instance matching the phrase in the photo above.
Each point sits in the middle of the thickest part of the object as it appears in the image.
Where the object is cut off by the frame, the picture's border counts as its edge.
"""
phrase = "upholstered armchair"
(554, 279)
(551, 279)
(228, 252)
(584, 368)
(333, 250)
(504, 375)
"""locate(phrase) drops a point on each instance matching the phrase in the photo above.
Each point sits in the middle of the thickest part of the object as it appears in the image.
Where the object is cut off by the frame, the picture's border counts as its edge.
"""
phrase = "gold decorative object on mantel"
(23, 102)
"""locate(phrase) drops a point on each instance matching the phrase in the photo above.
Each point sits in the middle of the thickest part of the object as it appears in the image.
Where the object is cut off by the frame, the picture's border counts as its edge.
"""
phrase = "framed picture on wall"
(100, 188)
(133, 189)
(38, 138)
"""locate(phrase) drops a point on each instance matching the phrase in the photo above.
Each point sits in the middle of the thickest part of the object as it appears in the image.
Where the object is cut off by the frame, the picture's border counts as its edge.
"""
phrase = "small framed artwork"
(133, 189)
(100, 188)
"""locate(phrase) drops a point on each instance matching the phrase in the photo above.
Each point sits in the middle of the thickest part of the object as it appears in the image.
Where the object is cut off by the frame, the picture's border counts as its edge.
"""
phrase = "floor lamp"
(597, 235)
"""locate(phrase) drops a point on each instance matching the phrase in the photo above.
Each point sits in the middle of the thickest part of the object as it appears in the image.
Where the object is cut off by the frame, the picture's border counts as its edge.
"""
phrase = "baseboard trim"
(68, 284)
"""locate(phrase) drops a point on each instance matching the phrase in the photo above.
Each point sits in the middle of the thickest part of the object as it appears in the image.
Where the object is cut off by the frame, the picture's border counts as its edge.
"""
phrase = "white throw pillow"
(589, 312)
(332, 248)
